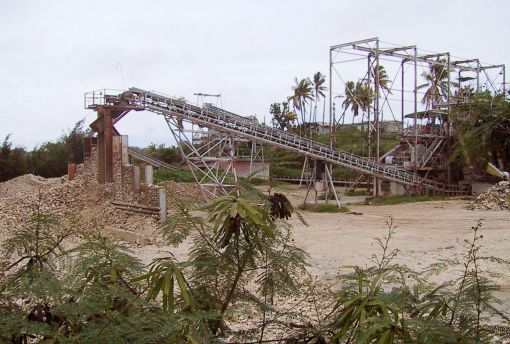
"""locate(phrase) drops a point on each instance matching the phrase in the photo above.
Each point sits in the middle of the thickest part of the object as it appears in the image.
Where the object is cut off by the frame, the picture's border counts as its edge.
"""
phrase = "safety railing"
(222, 120)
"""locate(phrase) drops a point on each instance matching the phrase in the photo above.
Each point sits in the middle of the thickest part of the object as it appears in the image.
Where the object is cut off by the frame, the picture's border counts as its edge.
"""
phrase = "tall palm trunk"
(324, 111)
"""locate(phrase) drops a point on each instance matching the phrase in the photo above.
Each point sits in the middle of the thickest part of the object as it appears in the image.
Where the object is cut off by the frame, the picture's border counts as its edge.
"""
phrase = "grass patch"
(324, 208)
(391, 200)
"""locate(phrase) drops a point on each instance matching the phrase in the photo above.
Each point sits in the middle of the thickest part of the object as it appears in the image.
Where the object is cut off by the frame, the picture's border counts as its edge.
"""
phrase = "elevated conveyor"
(224, 121)
(218, 119)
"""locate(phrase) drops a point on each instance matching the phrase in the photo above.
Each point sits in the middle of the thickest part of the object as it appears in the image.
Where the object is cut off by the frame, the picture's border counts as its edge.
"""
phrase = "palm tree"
(350, 100)
(384, 80)
(358, 96)
(436, 84)
(302, 94)
(319, 88)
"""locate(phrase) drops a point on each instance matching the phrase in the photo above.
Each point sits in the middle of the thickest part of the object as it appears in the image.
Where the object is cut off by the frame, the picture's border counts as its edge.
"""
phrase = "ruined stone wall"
(122, 188)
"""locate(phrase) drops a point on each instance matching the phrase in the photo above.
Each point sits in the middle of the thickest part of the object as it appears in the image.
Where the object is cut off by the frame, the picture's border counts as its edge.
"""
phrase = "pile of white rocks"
(496, 198)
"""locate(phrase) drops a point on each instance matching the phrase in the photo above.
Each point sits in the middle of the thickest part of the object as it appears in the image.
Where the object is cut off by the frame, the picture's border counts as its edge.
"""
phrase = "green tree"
(283, 118)
(384, 80)
(170, 155)
(483, 132)
(51, 158)
(302, 94)
(319, 89)
(13, 160)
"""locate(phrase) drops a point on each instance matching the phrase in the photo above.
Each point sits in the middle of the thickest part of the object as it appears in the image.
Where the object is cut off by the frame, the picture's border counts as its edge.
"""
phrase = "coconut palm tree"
(302, 95)
(436, 84)
(384, 80)
(319, 89)
(350, 100)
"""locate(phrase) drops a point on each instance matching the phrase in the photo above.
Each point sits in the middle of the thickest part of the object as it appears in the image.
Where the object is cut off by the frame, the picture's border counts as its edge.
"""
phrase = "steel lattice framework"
(402, 89)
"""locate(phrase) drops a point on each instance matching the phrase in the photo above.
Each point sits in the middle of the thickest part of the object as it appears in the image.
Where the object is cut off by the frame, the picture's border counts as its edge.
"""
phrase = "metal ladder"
(219, 119)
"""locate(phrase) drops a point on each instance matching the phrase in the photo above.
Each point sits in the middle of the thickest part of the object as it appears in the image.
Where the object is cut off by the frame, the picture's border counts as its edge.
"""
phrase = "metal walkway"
(221, 120)
(151, 161)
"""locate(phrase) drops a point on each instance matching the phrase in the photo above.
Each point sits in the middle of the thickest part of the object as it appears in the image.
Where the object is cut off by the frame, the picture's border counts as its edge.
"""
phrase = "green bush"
(177, 175)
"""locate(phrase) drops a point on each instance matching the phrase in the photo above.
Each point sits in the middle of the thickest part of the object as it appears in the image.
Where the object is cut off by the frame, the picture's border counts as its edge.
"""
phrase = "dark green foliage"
(48, 160)
(283, 118)
(483, 132)
(243, 241)
(51, 158)
(178, 175)
(13, 160)
(92, 293)
(170, 155)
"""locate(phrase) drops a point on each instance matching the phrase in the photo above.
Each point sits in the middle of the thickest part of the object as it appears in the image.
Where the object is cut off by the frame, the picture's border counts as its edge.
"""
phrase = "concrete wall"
(480, 187)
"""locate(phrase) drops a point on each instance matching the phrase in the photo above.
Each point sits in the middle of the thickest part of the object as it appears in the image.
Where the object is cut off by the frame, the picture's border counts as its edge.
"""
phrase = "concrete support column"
(136, 178)
(71, 171)
(124, 150)
(100, 157)
(148, 175)
(105, 148)
(108, 147)
(162, 205)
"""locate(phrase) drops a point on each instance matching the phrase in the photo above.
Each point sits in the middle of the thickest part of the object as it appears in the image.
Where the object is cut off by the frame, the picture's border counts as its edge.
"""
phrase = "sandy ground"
(425, 233)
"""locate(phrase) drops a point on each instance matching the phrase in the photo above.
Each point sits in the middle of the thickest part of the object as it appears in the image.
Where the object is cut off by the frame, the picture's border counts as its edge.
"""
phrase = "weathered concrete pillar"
(87, 147)
(71, 171)
(162, 205)
(148, 175)
(108, 147)
(100, 157)
(125, 156)
(136, 178)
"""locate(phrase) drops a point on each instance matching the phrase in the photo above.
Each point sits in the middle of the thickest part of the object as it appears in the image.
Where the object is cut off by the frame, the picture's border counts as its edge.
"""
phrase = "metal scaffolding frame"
(374, 52)
(211, 163)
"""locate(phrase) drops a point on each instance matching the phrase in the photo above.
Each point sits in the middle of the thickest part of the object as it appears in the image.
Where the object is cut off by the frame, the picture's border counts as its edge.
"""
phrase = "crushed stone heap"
(496, 198)
(81, 198)
(27, 183)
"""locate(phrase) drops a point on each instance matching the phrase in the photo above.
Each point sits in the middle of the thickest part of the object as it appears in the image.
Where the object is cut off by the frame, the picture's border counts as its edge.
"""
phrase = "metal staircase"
(431, 149)
(230, 123)
(151, 161)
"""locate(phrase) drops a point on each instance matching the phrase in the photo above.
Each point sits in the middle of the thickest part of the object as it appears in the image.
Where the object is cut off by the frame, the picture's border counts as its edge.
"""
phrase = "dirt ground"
(425, 233)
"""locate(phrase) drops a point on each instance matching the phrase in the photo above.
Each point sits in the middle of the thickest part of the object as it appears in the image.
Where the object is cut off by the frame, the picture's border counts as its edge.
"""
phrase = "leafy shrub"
(177, 175)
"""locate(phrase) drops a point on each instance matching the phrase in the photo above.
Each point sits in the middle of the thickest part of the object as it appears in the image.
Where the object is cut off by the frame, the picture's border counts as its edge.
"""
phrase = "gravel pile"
(82, 199)
(27, 183)
(496, 198)
(182, 192)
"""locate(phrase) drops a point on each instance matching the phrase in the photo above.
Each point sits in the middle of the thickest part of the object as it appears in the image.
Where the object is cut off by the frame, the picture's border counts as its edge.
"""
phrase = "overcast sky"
(249, 51)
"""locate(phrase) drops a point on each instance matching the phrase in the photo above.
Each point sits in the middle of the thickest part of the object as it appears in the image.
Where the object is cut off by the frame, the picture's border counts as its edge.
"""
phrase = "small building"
(385, 126)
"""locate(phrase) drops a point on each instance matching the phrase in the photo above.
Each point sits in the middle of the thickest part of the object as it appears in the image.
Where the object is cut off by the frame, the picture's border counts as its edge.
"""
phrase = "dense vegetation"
(47, 160)
(483, 131)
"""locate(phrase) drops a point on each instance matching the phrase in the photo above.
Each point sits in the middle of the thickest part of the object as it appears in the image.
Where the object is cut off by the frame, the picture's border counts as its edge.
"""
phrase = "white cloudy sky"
(249, 51)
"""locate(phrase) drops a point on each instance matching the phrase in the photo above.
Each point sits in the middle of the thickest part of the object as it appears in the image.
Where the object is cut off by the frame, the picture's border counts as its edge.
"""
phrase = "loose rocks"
(496, 198)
